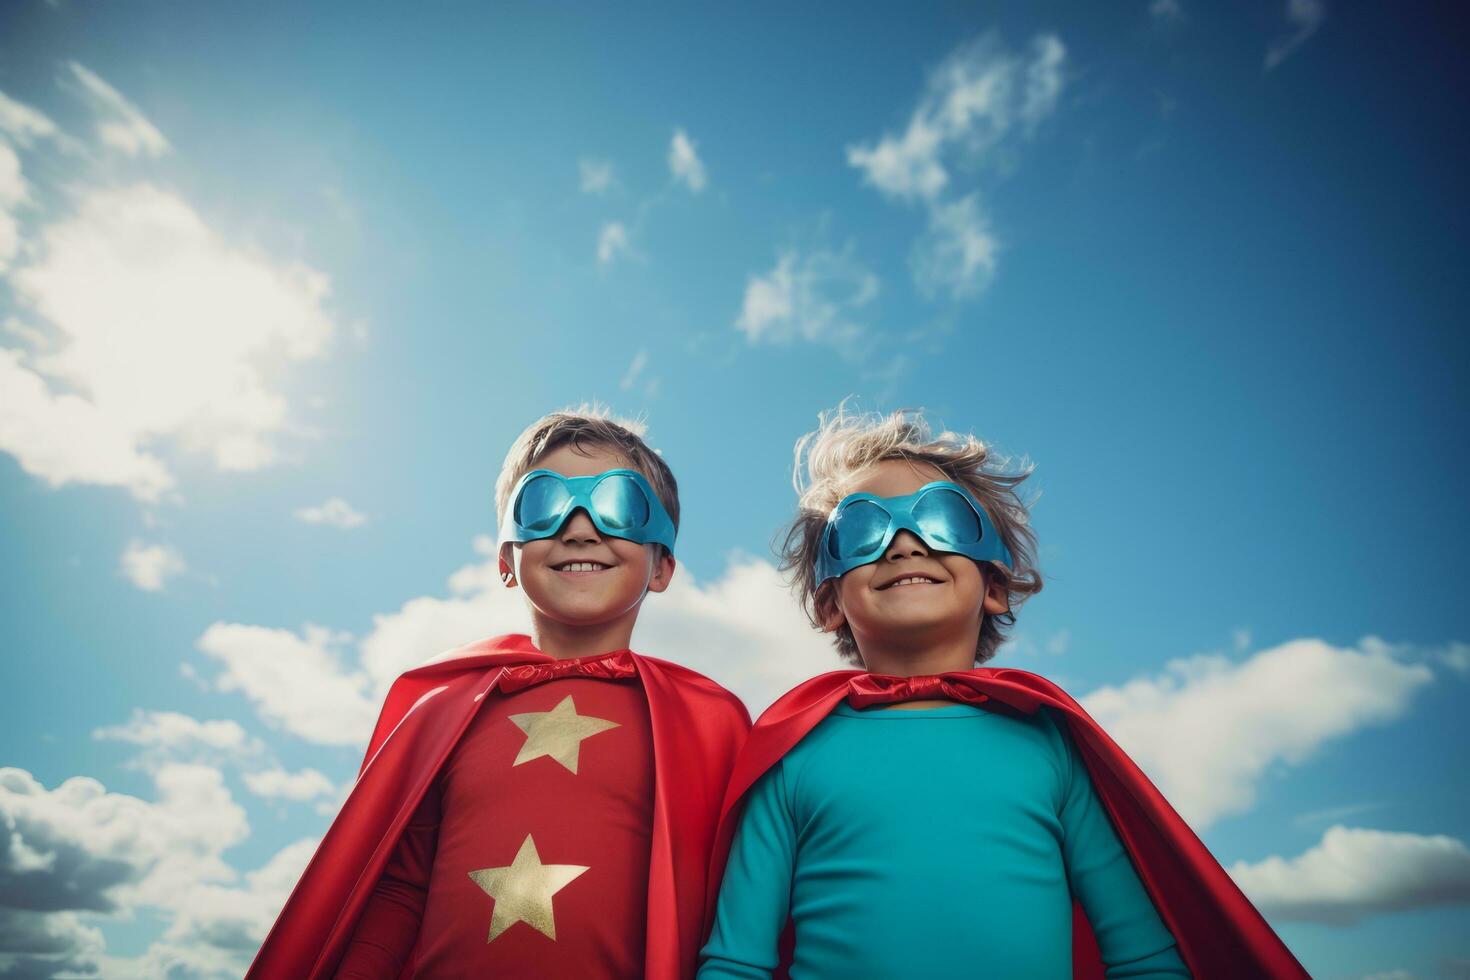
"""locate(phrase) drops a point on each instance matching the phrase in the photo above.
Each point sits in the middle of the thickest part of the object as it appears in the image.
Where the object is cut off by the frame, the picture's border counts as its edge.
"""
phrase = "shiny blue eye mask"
(941, 514)
(620, 503)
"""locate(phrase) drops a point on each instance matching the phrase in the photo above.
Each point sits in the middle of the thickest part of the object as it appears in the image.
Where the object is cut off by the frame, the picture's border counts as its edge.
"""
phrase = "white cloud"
(121, 126)
(973, 99)
(13, 193)
(1303, 18)
(307, 784)
(1455, 656)
(67, 439)
(957, 253)
(47, 944)
(978, 101)
(79, 851)
(296, 682)
(742, 629)
(596, 176)
(612, 240)
(1354, 873)
(1044, 77)
(164, 331)
(148, 566)
(1207, 729)
(22, 123)
(684, 162)
(170, 736)
(811, 296)
(635, 368)
(478, 605)
(334, 512)
(217, 929)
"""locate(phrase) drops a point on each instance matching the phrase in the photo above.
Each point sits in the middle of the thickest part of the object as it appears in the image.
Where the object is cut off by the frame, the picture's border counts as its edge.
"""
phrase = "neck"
(567, 642)
(913, 653)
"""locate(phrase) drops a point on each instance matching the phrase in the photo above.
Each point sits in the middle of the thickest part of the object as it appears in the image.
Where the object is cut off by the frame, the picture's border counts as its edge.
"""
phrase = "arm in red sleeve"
(389, 925)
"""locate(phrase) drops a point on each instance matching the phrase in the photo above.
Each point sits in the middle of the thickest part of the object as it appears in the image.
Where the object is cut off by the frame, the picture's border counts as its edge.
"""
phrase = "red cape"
(697, 727)
(1219, 933)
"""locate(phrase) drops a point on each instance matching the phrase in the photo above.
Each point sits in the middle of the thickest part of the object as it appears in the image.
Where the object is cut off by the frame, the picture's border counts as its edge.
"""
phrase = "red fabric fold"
(1220, 934)
(697, 727)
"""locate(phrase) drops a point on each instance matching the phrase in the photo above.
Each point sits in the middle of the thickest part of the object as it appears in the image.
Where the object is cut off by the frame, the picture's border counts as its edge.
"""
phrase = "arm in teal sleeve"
(755, 896)
(1134, 941)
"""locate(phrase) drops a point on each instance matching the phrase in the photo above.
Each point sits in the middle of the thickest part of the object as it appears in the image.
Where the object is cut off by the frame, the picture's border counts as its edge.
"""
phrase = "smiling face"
(912, 597)
(579, 577)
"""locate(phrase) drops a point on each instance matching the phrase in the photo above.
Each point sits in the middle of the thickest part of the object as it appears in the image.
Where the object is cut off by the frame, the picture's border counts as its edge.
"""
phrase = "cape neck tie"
(866, 690)
(615, 666)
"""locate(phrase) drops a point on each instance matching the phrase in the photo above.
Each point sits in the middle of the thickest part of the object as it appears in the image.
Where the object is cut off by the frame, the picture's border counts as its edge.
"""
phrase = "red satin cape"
(697, 728)
(1219, 932)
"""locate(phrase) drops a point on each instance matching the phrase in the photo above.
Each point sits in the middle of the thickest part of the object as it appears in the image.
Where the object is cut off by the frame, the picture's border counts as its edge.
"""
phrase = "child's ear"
(507, 565)
(663, 569)
(997, 596)
(829, 608)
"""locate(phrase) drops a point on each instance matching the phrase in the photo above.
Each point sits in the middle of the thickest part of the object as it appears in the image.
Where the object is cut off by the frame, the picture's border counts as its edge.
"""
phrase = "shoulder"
(691, 685)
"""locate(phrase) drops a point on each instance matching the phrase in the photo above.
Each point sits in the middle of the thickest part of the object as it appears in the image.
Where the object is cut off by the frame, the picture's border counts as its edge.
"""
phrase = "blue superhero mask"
(620, 503)
(941, 514)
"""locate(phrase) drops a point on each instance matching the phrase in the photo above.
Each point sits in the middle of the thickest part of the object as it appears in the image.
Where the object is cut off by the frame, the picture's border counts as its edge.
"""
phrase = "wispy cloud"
(977, 99)
(612, 241)
(1303, 19)
(121, 126)
(1333, 814)
(333, 512)
(150, 566)
(1166, 11)
(1354, 873)
(957, 253)
(684, 162)
(808, 295)
(596, 176)
(635, 368)
(23, 123)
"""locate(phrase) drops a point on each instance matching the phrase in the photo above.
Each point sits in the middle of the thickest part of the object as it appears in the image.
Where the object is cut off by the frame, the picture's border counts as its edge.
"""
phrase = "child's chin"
(589, 610)
(909, 616)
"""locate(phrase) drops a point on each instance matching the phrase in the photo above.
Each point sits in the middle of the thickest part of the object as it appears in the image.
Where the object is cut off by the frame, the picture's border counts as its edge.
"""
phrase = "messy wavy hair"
(584, 427)
(845, 444)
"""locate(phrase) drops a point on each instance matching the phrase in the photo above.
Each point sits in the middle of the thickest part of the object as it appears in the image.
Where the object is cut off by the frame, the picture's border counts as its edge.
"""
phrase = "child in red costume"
(925, 817)
(542, 805)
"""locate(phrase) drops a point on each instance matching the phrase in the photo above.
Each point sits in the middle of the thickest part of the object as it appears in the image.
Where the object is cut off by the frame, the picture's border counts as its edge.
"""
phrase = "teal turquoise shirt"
(943, 842)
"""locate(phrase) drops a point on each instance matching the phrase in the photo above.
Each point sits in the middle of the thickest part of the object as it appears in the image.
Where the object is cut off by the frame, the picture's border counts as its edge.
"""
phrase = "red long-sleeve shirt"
(463, 891)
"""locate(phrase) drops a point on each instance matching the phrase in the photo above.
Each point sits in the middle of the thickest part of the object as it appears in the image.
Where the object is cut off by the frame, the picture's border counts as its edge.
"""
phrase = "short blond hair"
(844, 444)
(583, 427)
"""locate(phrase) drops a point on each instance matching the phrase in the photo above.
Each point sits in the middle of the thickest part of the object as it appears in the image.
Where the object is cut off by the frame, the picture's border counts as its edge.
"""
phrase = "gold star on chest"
(557, 733)
(523, 891)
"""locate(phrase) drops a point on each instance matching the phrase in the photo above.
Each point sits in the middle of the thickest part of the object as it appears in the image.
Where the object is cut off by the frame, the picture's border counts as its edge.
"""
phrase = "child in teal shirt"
(926, 819)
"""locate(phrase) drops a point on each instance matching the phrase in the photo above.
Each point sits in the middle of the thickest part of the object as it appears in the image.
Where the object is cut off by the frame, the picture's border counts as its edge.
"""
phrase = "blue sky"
(1201, 265)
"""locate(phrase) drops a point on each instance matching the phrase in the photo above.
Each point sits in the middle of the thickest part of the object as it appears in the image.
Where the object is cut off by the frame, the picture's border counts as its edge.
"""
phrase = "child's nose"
(579, 527)
(906, 544)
